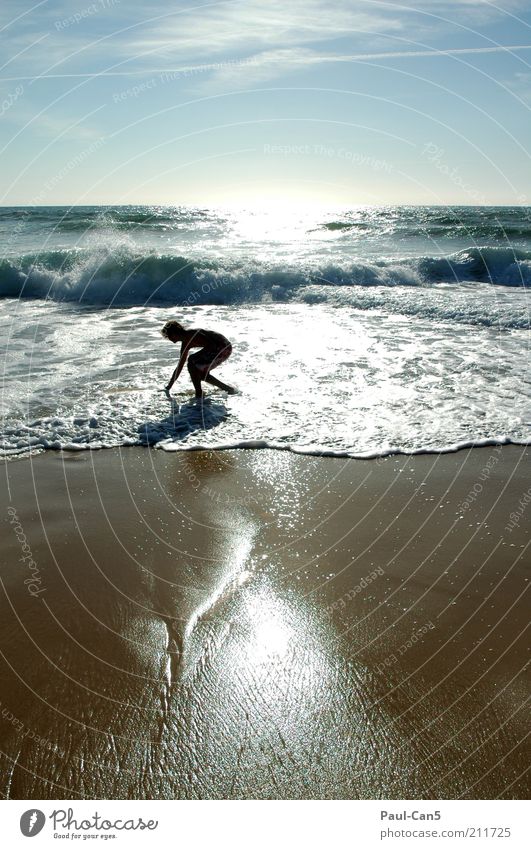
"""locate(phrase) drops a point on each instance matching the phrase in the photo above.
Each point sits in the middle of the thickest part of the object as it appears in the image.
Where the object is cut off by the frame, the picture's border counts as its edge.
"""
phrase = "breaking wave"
(120, 276)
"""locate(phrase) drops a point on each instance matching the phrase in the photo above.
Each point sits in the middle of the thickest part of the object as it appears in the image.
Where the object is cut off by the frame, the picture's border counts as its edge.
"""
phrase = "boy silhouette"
(215, 349)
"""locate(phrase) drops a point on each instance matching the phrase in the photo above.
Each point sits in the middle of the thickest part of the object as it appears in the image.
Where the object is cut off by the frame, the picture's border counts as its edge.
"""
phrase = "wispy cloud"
(252, 25)
(47, 125)
(274, 37)
(268, 65)
(520, 83)
(262, 66)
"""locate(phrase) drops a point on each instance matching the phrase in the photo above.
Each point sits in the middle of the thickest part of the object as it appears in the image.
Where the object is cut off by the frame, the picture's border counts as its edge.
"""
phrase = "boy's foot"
(225, 387)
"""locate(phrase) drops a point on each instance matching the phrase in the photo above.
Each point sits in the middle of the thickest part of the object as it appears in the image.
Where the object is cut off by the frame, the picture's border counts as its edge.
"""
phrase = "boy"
(215, 349)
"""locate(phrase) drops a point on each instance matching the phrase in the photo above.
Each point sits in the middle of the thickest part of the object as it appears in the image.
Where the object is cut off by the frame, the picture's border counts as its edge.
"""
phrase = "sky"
(256, 102)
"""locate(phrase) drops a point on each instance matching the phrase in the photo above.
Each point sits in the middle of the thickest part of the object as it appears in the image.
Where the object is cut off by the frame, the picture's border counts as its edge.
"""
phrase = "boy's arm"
(185, 347)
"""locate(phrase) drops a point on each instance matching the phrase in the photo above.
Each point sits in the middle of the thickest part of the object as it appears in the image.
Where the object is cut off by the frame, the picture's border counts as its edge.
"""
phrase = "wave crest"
(123, 277)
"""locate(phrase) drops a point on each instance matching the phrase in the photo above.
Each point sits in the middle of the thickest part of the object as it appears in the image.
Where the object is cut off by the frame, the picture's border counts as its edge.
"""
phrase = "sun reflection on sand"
(271, 637)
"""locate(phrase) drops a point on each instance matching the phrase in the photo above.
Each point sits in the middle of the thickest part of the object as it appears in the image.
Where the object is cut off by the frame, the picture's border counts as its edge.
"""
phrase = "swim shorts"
(208, 358)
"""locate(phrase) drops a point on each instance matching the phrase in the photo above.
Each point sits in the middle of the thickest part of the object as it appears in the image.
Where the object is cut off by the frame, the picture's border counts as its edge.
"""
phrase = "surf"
(123, 275)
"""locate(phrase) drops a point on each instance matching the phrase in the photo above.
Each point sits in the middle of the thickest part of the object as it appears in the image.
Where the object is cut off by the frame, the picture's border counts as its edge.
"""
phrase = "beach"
(260, 624)
(265, 421)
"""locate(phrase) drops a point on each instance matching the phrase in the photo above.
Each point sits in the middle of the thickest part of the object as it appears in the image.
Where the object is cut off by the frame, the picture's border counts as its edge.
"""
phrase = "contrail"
(453, 51)
(355, 57)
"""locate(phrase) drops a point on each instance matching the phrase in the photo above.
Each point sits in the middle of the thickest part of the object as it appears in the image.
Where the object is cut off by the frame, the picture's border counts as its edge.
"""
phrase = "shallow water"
(360, 332)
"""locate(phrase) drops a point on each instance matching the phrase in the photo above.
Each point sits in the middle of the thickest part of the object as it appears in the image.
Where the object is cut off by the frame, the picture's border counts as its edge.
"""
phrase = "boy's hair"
(171, 328)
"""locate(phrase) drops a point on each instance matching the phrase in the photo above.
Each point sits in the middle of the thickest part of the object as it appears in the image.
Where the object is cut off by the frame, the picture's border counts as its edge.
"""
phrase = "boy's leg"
(215, 382)
(196, 379)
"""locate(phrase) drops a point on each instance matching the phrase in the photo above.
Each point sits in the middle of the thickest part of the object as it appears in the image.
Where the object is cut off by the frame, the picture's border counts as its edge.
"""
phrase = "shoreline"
(259, 445)
(264, 624)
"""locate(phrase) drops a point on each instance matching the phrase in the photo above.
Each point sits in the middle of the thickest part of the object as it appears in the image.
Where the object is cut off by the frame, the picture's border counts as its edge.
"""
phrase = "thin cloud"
(266, 66)
(281, 59)
(252, 26)
(521, 85)
(270, 38)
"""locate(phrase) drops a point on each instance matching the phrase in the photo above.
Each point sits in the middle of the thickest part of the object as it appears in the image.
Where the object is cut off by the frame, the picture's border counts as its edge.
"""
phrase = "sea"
(356, 332)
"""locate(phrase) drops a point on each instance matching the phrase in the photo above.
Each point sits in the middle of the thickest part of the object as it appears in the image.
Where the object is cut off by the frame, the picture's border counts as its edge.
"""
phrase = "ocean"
(356, 332)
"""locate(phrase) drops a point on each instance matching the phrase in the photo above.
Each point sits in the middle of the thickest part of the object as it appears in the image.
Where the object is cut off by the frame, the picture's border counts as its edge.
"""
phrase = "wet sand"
(257, 624)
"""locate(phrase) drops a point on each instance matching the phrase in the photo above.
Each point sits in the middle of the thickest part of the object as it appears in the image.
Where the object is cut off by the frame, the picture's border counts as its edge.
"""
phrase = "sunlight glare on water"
(356, 331)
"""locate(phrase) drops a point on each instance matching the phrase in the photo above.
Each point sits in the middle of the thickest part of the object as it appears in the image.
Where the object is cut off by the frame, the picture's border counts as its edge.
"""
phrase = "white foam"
(124, 274)
(314, 380)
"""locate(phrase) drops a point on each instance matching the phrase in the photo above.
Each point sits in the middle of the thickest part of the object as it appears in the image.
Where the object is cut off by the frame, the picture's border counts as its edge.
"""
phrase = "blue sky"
(250, 101)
